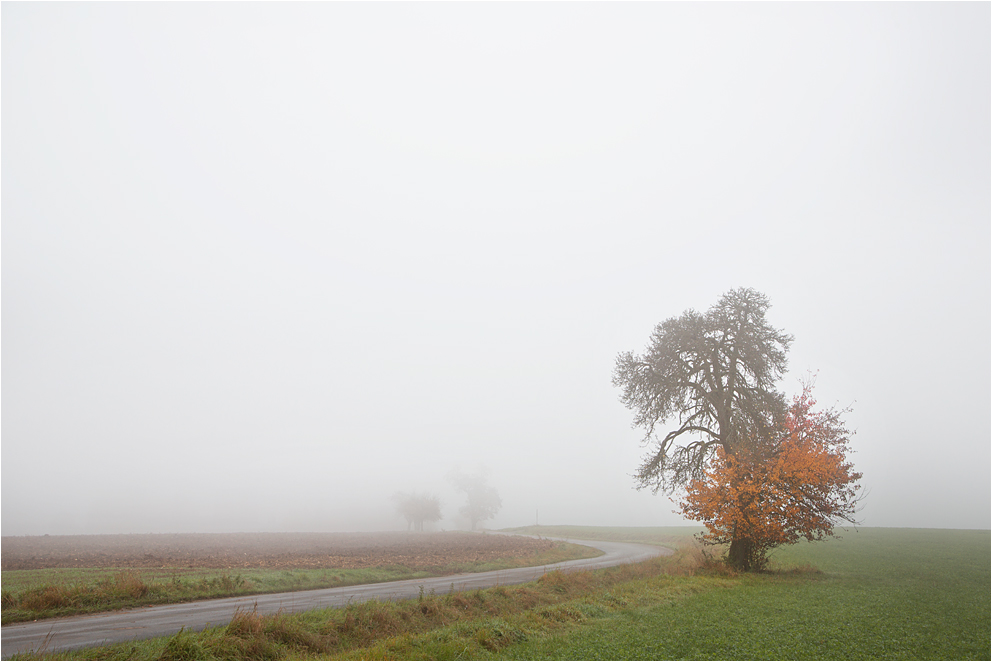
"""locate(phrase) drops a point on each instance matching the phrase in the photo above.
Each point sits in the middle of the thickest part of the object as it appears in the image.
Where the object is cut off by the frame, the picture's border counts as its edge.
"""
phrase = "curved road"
(146, 622)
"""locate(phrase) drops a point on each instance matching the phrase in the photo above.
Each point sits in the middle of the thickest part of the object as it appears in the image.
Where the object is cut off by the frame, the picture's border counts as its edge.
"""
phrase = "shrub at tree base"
(777, 493)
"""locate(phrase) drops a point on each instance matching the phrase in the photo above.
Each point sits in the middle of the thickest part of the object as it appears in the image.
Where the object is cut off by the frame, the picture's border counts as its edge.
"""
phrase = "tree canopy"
(418, 508)
(712, 373)
(483, 500)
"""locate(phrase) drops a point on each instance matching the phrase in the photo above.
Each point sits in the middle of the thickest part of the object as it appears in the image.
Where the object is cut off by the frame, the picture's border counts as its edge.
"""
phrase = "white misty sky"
(264, 265)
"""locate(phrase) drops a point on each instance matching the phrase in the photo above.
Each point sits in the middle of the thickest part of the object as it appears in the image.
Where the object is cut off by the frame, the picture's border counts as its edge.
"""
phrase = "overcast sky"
(264, 265)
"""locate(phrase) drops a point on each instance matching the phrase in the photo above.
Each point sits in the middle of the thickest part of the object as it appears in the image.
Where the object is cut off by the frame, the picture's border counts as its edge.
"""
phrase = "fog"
(266, 265)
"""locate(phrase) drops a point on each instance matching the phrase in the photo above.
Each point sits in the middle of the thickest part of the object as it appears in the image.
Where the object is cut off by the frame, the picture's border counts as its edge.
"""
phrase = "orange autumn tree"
(792, 484)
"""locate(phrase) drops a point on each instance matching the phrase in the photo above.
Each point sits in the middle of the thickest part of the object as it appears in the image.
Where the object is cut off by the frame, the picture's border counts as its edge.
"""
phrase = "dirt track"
(262, 550)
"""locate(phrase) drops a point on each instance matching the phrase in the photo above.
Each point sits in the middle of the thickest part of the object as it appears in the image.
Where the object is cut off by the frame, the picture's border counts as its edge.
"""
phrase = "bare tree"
(418, 508)
(713, 376)
(483, 500)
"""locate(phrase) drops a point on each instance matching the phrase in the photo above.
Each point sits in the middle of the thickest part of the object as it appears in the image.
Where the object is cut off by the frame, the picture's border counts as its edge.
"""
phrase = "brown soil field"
(262, 550)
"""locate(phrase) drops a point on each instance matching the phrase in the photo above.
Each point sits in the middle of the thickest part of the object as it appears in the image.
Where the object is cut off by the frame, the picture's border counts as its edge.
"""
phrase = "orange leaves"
(796, 485)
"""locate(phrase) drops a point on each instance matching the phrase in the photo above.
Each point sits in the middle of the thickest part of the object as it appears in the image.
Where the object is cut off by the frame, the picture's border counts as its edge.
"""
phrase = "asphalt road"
(146, 622)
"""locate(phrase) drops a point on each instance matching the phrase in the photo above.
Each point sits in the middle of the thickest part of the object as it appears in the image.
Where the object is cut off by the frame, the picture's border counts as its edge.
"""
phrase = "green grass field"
(874, 594)
(879, 594)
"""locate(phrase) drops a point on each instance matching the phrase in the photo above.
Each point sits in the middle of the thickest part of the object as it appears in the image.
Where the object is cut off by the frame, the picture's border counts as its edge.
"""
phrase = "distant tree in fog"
(483, 500)
(417, 508)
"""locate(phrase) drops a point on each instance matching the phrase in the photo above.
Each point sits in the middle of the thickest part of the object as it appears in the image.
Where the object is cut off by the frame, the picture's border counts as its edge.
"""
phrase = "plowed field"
(263, 550)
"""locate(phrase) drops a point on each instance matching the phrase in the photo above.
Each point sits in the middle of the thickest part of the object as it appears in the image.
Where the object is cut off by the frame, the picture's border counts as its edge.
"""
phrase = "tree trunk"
(739, 556)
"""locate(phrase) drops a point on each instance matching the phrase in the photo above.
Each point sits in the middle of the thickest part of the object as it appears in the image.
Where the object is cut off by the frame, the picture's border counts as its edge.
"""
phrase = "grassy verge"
(33, 594)
(875, 594)
(465, 623)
